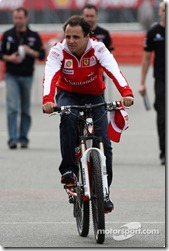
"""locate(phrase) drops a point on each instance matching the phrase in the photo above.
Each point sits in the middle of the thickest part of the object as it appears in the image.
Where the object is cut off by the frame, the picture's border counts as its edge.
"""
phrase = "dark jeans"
(68, 130)
(159, 106)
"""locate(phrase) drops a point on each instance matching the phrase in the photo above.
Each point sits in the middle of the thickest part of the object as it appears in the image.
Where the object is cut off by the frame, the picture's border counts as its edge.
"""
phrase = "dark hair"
(89, 6)
(79, 20)
(21, 9)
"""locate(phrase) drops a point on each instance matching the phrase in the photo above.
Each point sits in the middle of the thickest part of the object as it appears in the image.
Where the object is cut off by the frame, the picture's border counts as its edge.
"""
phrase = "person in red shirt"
(74, 70)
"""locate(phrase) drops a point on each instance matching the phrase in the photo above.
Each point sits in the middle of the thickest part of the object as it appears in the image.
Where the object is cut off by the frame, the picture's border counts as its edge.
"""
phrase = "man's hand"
(13, 58)
(127, 101)
(29, 51)
(26, 48)
(49, 107)
(142, 90)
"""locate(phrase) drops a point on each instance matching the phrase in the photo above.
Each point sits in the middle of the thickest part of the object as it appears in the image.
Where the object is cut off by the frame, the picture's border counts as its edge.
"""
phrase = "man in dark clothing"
(20, 46)
(155, 42)
(90, 13)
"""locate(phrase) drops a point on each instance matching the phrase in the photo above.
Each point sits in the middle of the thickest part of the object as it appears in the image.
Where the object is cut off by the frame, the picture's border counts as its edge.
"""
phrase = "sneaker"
(24, 145)
(108, 204)
(12, 145)
(163, 160)
(162, 157)
(68, 178)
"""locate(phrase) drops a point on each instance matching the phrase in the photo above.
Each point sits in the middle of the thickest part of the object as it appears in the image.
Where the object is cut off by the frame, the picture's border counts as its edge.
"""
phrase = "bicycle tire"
(97, 198)
(81, 207)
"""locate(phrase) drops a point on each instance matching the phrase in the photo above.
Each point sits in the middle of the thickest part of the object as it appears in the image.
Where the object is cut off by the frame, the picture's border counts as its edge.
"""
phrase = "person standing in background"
(155, 42)
(90, 13)
(20, 46)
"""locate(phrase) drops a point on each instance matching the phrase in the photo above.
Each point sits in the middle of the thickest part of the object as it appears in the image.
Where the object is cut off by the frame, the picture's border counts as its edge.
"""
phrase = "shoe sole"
(13, 147)
(108, 211)
(24, 147)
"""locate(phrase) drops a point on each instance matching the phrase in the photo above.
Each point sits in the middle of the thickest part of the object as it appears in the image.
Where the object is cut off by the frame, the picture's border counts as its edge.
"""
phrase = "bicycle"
(91, 183)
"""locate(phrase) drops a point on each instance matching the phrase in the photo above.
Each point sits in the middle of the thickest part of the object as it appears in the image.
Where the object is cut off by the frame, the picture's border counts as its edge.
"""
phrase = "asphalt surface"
(34, 209)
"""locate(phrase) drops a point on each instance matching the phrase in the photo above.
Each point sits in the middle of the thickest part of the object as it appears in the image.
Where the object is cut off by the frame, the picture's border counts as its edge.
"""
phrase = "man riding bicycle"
(74, 68)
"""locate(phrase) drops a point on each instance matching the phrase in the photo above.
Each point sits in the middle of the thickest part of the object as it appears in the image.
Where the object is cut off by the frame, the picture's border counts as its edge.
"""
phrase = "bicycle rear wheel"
(97, 197)
(81, 208)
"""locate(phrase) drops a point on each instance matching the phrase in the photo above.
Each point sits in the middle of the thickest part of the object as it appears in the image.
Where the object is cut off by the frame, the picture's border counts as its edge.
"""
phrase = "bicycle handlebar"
(110, 106)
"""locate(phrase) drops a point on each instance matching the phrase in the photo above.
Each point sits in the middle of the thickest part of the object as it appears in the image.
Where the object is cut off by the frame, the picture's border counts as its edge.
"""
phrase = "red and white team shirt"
(63, 71)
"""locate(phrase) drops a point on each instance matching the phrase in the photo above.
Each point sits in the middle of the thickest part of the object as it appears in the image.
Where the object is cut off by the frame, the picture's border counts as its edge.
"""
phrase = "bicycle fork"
(85, 160)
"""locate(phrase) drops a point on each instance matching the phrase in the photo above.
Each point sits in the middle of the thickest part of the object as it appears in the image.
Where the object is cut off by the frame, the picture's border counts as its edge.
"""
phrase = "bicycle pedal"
(67, 186)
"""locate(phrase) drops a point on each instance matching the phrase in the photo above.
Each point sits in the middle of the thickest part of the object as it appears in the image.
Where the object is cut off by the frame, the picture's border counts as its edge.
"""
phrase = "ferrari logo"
(86, 62)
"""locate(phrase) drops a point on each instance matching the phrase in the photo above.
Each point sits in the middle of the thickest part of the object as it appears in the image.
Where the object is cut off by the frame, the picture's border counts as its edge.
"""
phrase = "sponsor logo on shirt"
(100, 37)
(86, 62)
(68, 63)
(93, 61)
(89, 75)
(89, 61)
(82, 82)
(10, 39)
(126, 117)
(158, 37)
(101, 49)
(70, 72)
(55, 53)
(31, 39)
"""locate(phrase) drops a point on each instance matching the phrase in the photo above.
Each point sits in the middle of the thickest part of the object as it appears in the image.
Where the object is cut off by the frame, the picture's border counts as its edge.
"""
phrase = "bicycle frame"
(92, 184)
(86, 130)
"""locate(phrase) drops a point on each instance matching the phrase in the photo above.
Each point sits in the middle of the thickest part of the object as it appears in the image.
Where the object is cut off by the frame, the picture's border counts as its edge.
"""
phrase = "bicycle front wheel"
(97, 197)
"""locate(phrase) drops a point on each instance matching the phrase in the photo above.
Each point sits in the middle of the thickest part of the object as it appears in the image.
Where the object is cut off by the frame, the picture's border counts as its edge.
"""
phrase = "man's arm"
(31, 52)
(38, 52)
(144, 70)
(109, 46)
(51, 76)
(13, 57)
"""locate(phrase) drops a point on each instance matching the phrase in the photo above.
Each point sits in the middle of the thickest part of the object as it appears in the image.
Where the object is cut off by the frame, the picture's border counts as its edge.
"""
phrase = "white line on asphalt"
(71, 222)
